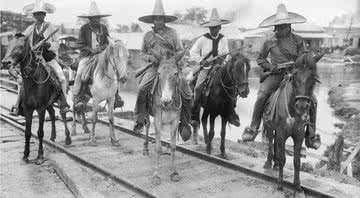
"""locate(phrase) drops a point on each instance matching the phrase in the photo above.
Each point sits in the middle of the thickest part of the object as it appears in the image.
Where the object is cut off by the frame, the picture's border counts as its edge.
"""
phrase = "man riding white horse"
(206, 47)
(93, 39)
(163, 41)
(283, 47)
(48, 50)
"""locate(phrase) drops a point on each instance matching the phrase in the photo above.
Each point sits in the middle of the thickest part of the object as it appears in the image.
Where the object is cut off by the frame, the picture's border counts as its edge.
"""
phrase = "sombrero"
(282, 16)
(39, 6)
(214, 20)
(94, 11)
(158, 11)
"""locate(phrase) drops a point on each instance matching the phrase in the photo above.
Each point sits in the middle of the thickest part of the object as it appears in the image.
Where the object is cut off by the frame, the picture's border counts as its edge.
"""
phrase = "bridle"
(234, 87)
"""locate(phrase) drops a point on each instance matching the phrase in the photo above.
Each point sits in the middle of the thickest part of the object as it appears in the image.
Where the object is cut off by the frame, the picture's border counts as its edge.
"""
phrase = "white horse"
(105, 84)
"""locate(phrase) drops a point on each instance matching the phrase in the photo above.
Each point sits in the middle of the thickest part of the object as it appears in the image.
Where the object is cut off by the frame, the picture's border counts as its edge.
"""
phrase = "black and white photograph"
(179, 98)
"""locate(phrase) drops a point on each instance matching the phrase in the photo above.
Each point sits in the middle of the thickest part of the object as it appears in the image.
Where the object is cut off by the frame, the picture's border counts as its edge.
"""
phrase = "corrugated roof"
(307, 27)
(314, 35)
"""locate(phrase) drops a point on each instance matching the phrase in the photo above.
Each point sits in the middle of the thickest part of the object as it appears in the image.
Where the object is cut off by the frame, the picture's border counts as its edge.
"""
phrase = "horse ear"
(318, 57)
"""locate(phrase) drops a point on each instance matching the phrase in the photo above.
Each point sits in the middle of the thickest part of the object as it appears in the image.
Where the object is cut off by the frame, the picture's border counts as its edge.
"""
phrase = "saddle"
(275, 104)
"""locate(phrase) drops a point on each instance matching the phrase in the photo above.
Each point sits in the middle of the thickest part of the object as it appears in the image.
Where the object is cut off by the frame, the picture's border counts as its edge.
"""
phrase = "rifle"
(215, 58)
(286, 65)
(45, 39)
(140, 71)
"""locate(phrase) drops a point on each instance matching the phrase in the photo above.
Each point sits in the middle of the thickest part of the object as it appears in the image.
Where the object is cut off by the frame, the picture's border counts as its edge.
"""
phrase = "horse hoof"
(52, 139)
(280, 187)
(195, 142)
(39, 160)
(156, 180)
(115, 143)
(92, 143)
(267, 165)
(298, 189)
(25, 159)
(175, 177)
(208, 149)
(68, 141)
(86, 130)
(276, 167)
(145, 152)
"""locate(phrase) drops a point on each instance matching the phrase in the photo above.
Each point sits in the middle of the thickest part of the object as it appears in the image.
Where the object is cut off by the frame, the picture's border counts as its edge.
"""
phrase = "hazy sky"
(251, 12)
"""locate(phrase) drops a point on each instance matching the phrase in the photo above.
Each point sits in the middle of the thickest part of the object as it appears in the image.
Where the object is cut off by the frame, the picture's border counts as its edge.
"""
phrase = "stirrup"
(138, 128)
(249, 135)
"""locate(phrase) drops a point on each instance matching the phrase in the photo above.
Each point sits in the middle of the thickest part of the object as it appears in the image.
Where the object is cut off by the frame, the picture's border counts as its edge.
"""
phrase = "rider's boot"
(119, 102)
(140, 110)
(251, 132)
(234, 117)
(312, 139)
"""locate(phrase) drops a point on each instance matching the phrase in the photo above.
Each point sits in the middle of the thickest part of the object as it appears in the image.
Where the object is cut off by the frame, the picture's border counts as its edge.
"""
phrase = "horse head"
(119, 54)
(168, 79)
(304, 78)
(238, 70)
(17, 51)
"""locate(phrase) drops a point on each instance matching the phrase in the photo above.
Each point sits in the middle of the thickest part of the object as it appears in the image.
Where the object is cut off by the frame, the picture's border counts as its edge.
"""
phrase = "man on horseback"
(39, 31)
(206, 47)
(93, 39)
(163, 41)
(283, 47)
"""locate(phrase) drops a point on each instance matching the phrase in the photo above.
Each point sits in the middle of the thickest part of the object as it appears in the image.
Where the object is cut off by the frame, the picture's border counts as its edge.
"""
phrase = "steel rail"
(123, 182)
(224, 163)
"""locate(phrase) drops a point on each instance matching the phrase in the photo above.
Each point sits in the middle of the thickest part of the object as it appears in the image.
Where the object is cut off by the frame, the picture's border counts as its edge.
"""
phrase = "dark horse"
(287, 114)
(40, 92)
(229, 82)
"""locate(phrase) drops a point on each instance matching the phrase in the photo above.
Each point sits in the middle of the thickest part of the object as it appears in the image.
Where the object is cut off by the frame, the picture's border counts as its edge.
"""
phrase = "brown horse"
(288, 115)
(40, 92)
(229, 82)
(166, 109)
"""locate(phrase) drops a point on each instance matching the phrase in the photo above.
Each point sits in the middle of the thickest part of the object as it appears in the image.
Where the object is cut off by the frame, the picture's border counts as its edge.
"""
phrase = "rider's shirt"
(37, 32)
(204, 45)
(293, 44)
(92, 38)
(163, 42)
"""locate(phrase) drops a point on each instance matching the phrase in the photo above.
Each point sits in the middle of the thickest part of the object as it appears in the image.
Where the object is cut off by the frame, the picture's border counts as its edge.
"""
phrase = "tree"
(195, 15)
(134, 27)
(180, 17)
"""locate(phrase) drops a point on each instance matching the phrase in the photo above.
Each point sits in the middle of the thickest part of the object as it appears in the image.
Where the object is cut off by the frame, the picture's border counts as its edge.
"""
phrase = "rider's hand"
(46, 45)
(273, 68)
(152, 59)
(204, 63)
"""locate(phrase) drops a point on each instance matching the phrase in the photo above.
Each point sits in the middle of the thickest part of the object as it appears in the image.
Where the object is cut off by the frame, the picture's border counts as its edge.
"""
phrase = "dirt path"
(18, 179)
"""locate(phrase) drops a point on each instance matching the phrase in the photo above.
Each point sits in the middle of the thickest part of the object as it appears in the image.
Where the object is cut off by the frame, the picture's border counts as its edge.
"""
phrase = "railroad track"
(208, 173)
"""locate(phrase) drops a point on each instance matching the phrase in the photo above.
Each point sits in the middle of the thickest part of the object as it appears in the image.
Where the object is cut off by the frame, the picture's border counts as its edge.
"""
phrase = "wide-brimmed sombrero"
(158, 11)
(39, 6)
(215, 20)
(94, 11)
(282, 16)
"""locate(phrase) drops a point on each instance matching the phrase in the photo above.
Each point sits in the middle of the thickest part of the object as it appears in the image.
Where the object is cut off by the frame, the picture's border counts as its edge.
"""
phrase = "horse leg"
(84, 122)
(73, 127)
(297, 151)
(223, 134)
(174, 175)
(204, 119)
(40, 133)
(92, 140)
(67, 132)
(270, 155)
(146, 143)
(113, 139)
(51, 112)
(280, 156)
(195, 126)
(211, 133)
(28, 121)
(158, 127)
